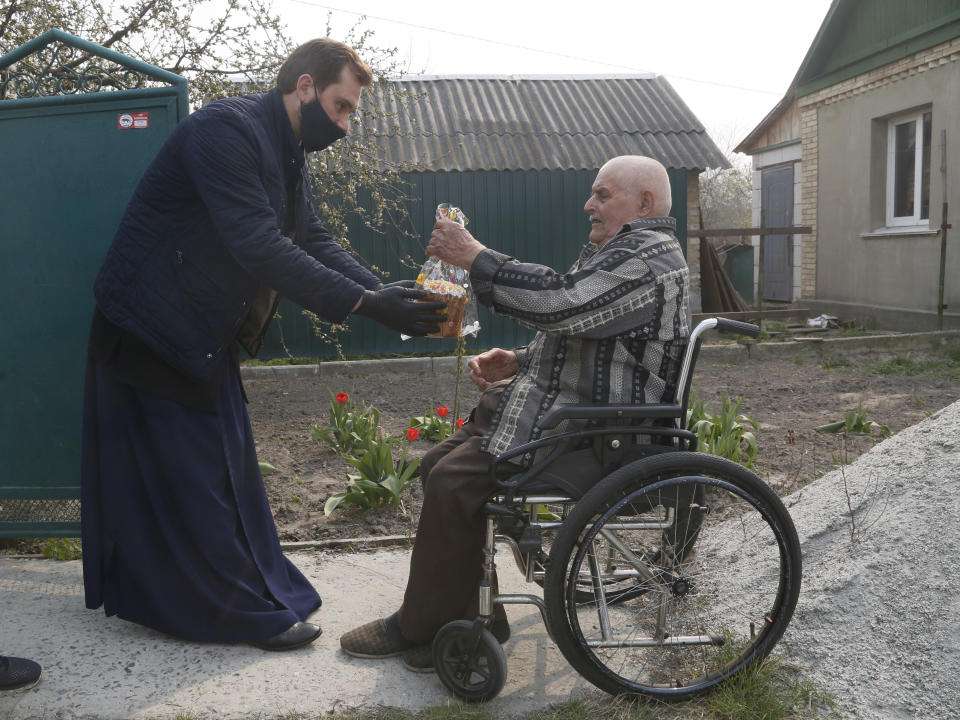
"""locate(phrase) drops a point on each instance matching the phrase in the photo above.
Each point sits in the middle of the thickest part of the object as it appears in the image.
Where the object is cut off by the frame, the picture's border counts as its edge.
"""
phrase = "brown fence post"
(763, 223)
(944, 226)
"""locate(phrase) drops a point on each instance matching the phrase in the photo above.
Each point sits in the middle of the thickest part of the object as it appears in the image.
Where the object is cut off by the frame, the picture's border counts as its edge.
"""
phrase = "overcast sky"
(730, 61)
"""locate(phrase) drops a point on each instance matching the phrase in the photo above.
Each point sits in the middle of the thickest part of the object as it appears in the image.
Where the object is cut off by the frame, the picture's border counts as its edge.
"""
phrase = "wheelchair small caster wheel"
(469, 660)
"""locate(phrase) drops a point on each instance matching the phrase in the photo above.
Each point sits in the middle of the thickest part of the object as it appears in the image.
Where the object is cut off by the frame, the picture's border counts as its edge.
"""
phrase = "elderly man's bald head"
(637, 173)
(627, 188)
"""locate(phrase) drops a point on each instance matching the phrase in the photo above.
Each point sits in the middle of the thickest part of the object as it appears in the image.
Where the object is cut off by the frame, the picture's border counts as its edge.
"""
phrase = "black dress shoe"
(295, 636)
(18, 673)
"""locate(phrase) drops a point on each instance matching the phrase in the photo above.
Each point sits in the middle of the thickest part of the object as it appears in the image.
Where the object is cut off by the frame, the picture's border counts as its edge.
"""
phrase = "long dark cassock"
(177, 531)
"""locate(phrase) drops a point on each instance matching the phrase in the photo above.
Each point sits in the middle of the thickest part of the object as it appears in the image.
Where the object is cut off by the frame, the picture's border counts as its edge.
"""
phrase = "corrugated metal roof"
(459, 123)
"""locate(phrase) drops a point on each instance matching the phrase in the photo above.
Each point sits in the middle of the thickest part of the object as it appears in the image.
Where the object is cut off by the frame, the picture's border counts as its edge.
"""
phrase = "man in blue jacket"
(177, 531)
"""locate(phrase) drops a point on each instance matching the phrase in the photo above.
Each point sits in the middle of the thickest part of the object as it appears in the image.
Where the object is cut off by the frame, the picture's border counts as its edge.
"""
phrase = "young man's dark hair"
(322, 59)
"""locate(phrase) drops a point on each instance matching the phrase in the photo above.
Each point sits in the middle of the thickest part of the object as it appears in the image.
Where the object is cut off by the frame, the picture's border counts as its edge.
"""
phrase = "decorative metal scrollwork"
(61, 69)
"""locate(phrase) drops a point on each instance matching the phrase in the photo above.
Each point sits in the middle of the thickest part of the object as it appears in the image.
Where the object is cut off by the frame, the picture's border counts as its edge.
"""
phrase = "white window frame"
(915, 219)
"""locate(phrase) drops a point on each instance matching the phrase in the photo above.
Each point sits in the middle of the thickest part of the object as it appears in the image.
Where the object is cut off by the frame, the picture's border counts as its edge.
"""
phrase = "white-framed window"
(908, 170)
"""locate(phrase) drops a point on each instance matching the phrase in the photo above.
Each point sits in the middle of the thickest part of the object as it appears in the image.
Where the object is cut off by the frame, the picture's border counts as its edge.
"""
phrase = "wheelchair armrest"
(562, 443)
(608, 412)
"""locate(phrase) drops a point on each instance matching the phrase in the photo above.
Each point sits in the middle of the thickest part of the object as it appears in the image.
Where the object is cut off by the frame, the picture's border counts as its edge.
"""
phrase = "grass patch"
(274, 362)
(770, 690)
(945, 367)
(61, 549)
(854, 332)
(457, 711)
(835, 362)
(773, 332)
(896, 366)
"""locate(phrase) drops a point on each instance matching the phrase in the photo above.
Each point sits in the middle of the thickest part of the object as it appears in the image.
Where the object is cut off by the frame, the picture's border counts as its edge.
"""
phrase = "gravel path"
(878, 622)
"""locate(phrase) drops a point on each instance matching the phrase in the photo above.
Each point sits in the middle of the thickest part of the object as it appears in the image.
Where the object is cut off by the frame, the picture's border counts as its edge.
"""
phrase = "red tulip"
(442, 411)
(459, 423)
(342, 397)
(412, 434)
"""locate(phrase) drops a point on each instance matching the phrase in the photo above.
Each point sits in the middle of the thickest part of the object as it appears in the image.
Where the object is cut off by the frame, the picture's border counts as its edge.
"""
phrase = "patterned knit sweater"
(612, 329)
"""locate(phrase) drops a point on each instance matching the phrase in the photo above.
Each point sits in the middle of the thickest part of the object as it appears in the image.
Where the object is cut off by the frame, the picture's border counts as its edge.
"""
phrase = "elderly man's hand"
(453, 243)
(492, 366)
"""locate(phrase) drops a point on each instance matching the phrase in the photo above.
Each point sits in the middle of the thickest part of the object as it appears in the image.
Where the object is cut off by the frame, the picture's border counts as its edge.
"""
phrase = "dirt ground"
(788, 398)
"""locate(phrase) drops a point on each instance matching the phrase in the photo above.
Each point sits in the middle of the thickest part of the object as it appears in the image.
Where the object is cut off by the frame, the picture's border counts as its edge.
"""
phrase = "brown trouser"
(445, 568)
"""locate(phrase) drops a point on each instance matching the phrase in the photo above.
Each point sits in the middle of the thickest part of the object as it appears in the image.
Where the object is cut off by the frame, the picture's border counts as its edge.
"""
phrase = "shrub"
(855, 423)
(724, 434)
(433, 426)
(352, 428)
(61, 549)
(379, 481)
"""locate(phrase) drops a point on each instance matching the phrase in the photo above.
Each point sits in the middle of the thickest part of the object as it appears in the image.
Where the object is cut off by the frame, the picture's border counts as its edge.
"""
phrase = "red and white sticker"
(133, 121)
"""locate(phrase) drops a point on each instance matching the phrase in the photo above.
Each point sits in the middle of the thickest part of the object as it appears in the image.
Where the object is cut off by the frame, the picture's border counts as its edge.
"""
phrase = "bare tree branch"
(131, 26)
(8, 16)
(217, 71)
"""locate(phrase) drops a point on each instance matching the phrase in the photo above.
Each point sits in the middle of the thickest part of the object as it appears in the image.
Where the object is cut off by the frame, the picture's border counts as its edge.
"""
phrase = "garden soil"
(787, 397)
(876, 627)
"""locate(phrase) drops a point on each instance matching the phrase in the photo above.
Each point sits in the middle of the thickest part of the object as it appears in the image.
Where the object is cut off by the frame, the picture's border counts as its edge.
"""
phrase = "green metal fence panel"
(69, 165)
(535, 216)
(739, 266)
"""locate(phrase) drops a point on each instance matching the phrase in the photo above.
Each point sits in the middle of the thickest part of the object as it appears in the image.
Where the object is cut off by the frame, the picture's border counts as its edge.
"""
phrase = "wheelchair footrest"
(530, 540)
(496, 509)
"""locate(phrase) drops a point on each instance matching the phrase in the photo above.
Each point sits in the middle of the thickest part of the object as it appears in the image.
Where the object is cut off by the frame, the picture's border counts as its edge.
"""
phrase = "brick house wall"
(810, 105)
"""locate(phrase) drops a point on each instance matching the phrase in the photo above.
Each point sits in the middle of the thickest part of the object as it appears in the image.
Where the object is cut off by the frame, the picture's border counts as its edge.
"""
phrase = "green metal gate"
(78, 125)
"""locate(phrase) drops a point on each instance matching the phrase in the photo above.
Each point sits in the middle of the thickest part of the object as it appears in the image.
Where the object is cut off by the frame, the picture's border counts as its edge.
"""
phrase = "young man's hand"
(397, 308)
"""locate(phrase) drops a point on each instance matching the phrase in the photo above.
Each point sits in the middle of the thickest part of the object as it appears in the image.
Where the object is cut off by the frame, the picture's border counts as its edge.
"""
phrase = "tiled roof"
(458, 123)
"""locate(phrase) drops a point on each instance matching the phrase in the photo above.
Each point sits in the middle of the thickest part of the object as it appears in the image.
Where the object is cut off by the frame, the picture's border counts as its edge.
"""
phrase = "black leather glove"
(398, 309)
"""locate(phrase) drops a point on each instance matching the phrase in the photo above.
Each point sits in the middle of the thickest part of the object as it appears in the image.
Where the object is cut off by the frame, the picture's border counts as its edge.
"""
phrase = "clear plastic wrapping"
(450, 284)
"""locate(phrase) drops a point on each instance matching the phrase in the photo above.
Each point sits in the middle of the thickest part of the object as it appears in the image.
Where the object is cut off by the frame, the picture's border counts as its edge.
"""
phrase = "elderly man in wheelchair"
(577, 458)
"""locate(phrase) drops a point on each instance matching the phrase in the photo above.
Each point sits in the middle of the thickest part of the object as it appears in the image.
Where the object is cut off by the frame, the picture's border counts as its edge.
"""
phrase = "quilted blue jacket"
(202, 236)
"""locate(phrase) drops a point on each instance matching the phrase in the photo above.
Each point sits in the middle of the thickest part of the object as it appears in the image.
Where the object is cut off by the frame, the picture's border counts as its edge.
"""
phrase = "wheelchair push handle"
(735, 326)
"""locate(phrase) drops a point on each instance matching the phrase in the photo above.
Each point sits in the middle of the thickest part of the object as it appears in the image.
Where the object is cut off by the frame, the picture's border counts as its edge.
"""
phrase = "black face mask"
(317, 130)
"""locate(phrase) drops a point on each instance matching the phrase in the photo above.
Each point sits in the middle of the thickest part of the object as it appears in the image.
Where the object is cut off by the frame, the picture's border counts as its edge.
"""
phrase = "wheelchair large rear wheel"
(715, 554)
(685, 506)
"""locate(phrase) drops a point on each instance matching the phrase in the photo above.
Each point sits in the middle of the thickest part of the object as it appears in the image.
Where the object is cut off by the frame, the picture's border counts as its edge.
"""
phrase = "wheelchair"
(664, 571)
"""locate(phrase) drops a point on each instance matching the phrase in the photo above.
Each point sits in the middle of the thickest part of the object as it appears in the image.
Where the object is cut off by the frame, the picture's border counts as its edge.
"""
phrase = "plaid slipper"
(419, 659)
(375, 640)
